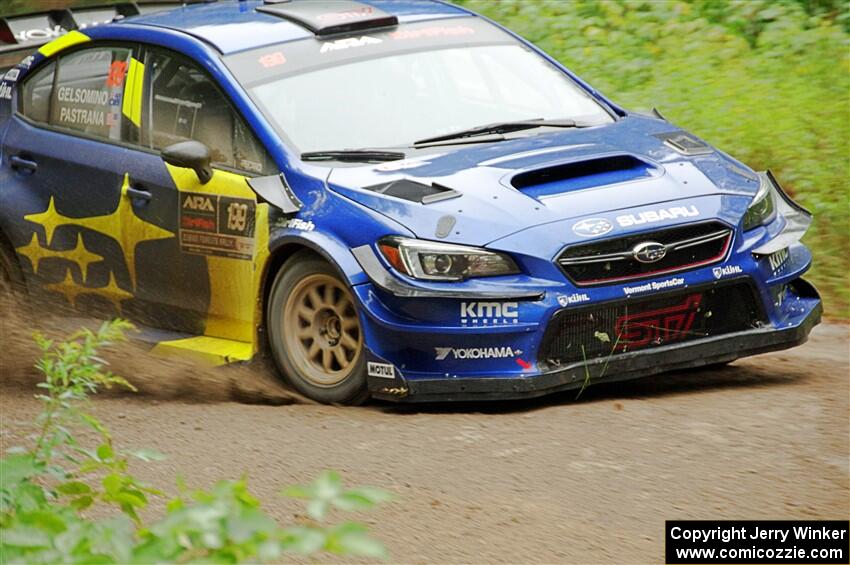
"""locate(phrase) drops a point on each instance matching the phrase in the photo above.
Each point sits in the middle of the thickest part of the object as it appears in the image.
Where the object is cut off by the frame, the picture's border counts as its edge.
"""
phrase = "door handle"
(23, 165)
(139, 194)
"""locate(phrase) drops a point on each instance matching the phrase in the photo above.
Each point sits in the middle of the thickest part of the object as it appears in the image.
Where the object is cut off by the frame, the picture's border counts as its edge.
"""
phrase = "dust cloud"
(154, 376)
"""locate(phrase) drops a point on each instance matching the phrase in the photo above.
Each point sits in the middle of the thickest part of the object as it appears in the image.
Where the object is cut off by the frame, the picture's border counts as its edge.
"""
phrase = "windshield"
(392, 101)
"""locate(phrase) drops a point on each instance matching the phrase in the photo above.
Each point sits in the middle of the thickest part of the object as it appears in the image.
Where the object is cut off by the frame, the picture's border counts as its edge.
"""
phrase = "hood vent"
(599, 171)
(413, 191)
(684, 143)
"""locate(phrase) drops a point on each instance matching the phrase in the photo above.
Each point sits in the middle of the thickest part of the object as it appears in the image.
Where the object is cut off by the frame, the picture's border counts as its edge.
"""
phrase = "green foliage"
(46, 490)
(766, 81)
(328, 492)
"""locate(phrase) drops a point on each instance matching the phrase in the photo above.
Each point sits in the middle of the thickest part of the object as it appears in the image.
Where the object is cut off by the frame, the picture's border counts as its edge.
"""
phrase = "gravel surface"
(544, 481)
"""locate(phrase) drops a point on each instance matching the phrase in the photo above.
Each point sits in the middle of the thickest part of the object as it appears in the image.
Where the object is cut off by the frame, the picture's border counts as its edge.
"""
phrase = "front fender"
(334, 251)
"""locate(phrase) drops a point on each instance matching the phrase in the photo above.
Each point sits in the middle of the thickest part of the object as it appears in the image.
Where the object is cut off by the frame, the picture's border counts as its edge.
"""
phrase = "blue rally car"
(396, 199)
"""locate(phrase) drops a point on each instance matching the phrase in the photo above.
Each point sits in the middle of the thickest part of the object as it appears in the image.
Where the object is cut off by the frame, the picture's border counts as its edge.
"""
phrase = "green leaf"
(318, 508)
(303, 540)
(49, 520)
(104, 452)
(372, 494)
(269, 550)
(148, 455)
(328, 484)
(135, 499)
(112, 483)
(73, 488)
(351, 538)
(174, 505)
(602, 336)
(23, 536)
(298, 491)
(211, 540)
(82, 503)
(17, 468)
(358, 543)
(93, 423)
(245, 526)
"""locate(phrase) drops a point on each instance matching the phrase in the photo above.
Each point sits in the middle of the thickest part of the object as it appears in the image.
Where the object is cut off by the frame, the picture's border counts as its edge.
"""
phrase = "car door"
(74, 214)
(213, 267)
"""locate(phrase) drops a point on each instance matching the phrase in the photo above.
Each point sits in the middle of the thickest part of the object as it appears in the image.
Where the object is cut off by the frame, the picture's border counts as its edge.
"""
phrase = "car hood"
(490, 191)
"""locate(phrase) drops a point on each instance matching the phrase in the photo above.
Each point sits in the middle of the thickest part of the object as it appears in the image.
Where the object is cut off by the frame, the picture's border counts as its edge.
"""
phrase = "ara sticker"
(217, 225)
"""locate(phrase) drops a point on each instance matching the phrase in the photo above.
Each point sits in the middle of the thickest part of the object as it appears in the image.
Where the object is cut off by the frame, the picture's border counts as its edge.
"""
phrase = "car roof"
(237, 25)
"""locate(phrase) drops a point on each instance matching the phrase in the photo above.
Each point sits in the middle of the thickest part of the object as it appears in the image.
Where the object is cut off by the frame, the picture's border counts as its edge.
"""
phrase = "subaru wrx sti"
(396, 199)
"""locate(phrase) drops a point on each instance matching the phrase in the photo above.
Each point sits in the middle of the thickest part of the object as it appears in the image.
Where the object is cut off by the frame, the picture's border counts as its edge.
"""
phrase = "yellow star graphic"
(122, 225)
(47, 219)
(113, 292)
(71, 290)
(67, 287)
(79, 255)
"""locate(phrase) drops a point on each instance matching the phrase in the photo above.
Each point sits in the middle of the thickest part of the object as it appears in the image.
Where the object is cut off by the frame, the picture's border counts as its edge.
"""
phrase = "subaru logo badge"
(592, 227)
(649, 252)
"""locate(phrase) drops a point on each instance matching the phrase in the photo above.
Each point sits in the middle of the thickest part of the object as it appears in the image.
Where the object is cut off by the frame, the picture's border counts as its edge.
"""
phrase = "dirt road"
(551, 480)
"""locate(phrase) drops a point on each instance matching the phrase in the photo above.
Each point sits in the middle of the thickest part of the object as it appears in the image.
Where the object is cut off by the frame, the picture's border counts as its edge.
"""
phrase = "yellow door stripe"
(235, 308)
(68, 40)
(211, 350)
(132, 105)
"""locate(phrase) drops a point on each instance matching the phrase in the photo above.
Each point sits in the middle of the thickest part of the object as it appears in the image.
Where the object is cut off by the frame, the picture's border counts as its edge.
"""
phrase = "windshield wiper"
(353, 156)
(500, 127)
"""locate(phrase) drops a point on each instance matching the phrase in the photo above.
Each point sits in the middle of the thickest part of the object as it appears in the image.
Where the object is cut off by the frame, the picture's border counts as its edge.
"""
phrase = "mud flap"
(384, 379)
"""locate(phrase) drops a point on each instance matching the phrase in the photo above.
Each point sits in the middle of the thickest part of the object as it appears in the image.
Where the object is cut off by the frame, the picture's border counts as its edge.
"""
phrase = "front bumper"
(623, 366)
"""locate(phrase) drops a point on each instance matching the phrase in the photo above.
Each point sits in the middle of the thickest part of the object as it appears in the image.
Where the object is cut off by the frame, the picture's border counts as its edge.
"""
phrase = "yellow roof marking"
(60, 43)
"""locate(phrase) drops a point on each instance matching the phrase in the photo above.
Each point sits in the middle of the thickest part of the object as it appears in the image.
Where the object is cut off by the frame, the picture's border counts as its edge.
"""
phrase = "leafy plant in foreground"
(47, 490)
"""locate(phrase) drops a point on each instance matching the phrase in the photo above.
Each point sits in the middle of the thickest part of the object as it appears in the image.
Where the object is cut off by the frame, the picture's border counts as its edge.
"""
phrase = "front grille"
(613, 260)
(599, 331)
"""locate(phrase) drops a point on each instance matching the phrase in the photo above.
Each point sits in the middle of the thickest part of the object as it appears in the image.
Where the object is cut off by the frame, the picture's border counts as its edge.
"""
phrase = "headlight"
(762, 209)
(430, 260)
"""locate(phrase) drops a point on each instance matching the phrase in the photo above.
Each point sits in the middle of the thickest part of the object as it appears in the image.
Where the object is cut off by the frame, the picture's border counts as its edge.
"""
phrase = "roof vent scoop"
(586, 173)
(323, 19)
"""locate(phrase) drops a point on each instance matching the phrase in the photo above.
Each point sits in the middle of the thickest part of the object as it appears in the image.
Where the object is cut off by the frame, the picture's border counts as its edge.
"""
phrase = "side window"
(35, 93)
(89, 91)
(184, 103)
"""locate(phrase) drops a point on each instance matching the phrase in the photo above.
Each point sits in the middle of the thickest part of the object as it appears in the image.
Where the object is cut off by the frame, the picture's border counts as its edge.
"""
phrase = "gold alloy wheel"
(321, 330)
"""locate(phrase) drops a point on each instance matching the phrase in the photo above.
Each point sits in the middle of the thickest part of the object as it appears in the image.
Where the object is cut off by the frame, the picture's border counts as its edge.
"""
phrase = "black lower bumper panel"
(624, 366)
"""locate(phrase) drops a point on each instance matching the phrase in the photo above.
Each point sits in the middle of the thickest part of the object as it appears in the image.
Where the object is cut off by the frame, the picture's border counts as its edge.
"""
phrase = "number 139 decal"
(237, 216)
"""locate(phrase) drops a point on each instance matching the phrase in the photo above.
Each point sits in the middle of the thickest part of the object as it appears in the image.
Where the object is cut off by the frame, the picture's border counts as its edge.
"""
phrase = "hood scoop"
(586, 173)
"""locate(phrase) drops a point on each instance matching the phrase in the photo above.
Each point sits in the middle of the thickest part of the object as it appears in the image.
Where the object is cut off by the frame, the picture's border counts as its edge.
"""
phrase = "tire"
(314, 332)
